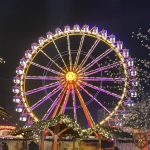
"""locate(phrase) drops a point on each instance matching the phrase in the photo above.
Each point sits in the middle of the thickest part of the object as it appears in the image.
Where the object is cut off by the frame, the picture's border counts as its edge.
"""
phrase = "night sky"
(22, 22)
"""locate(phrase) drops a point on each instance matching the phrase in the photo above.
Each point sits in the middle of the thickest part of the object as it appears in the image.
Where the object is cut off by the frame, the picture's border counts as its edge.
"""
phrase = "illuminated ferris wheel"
(76, 72)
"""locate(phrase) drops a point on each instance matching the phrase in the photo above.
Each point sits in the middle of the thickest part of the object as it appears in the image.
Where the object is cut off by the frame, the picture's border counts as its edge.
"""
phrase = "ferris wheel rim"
(106, 41)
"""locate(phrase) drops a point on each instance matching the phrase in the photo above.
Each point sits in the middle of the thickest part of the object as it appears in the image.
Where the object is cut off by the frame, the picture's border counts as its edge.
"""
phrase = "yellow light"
(71, 76)
(7, 127)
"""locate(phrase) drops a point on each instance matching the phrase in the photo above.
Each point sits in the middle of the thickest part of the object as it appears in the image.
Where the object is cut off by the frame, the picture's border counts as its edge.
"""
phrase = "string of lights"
(139, 114)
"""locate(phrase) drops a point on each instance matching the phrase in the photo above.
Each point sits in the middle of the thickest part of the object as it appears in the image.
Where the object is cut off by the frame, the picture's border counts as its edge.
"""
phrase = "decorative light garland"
(139, 115)
(143, 64)
(104, 131)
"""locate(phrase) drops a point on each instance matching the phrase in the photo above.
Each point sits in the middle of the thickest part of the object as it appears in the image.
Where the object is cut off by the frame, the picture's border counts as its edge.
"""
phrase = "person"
(23, 147)
(116, 148)
(4, 146)
(0, 146)
(33, 146)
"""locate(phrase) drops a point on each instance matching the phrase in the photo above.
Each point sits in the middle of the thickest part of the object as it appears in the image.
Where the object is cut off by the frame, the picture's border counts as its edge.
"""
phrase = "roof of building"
(3, 112)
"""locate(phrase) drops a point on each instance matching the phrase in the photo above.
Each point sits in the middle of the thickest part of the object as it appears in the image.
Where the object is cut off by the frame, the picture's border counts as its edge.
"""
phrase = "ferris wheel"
(76, 72)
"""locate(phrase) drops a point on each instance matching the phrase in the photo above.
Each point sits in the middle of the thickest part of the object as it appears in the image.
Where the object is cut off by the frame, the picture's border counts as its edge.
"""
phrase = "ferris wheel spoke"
(69, 51)
(97, 59)
(45, 68)
(52, 61)
(89, 53)
(63, 107)
(101, 90)
(103, 79)
(102, 68)
(59, 102)
(74, 104)
(47, 114)
(85, 109)
(97, 101)
(41, 101)
(43, 88)
(60, 54)
(79, 51)
(42, 78)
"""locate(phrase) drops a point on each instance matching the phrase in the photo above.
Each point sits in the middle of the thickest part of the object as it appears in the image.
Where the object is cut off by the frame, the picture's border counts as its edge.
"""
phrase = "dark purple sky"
(22, 22)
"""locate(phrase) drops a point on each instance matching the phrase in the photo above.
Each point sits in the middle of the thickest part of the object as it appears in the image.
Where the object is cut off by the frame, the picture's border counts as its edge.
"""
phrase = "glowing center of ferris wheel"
(70, 76)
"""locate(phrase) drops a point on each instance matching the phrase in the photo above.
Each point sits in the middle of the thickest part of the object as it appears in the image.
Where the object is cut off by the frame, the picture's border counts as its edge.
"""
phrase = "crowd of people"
(31, 146)
(4, 146)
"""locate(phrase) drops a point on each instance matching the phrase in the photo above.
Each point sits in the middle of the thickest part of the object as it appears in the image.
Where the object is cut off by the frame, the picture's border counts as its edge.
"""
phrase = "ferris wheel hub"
(71, 76)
